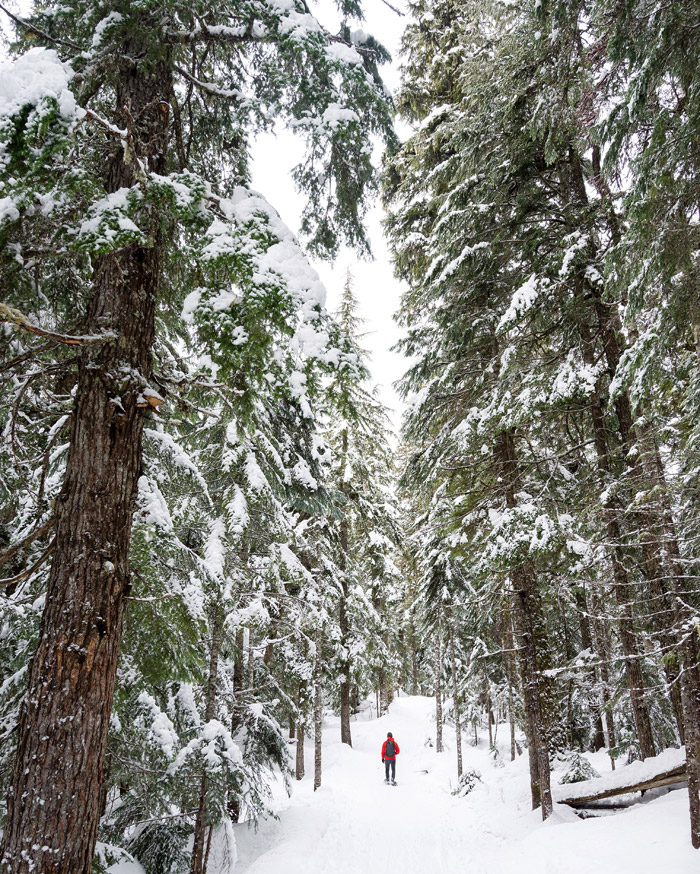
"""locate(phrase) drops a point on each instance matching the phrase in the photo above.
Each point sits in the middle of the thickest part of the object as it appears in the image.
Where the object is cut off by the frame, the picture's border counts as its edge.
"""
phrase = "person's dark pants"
(390, 763)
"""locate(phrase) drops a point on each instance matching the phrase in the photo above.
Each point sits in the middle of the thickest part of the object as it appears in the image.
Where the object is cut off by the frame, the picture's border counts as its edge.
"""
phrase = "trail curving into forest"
(355, 824)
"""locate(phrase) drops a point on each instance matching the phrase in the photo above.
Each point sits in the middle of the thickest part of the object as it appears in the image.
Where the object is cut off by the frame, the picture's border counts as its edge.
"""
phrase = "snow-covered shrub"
(578, 770)
(107, 855)
(467, 782)
(495, 756)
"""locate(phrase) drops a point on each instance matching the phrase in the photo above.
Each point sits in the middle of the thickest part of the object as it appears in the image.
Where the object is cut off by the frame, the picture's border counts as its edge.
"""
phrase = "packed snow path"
(355, 824)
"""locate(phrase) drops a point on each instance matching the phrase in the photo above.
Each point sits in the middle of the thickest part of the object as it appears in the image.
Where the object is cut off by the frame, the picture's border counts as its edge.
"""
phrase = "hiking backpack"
(390, 750)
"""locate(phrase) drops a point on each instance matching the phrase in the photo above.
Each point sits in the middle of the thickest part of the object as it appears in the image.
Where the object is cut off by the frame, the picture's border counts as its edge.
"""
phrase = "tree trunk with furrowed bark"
(54, 800)
(438, 688)
(526, 612)
(200, 825)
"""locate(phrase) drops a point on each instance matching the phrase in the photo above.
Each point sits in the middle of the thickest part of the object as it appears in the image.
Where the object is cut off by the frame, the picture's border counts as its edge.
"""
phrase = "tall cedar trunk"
(383, 692)
(608, 320)
(414, 660)
(345, 709)
(251, 662)
(239, 661)
(534, 715)
(662, 624)
(511, 719)
(598, 739)
(455, 698)
(602, 639)
(54, 799)
(621, 587)
(438, 688)
(233, 804)
(318, 708)
(609, 328)
(687, 644)
(655, 533)
(299, 772)
(489, 719)
(345, 734)
(210, 832)
(200, 825)
(508, 647)
(526, 614)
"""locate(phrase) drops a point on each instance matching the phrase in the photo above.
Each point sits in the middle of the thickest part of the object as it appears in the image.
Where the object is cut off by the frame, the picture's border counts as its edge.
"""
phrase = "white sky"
(377, 290)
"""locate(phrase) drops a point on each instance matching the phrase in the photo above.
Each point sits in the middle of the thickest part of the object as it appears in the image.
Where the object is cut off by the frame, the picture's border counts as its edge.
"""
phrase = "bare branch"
(25, 541)
(11, 581)
(25, 356)
(38, 32)
(394, 9)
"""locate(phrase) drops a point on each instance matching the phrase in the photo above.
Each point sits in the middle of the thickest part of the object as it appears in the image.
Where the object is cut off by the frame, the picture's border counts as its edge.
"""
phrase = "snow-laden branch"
(15, 317)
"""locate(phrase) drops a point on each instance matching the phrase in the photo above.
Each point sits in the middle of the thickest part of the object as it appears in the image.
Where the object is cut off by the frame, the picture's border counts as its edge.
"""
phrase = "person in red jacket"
(390, 750)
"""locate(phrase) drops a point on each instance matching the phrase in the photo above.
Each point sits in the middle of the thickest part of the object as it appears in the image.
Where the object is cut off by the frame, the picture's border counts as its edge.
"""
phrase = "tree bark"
(414, 660)
(603, 649)
(239, 661)
(54, 800)
(318, 709)
(509, 657)
(383, 692)
(200, 826)
(438, 688)
(299, 771)
(526, 614)
(455, 697)
(689, 679)
(610, 330)
(345, 667)
(621, 587)
(251, 661)
(598, 739)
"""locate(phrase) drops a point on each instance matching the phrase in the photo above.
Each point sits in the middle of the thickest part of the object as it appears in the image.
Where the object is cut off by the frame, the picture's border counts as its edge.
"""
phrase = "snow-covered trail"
(355, 824)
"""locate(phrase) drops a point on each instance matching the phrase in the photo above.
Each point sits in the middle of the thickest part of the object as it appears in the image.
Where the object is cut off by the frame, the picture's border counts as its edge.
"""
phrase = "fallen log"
(663, 770)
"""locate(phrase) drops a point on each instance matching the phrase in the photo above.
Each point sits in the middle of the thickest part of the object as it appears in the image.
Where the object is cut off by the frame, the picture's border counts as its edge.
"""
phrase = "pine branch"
(15, 317)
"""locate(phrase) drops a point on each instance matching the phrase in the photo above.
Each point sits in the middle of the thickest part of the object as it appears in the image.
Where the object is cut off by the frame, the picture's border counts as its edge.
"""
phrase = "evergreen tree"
(367, 532)
(521, 361)
(125, 200)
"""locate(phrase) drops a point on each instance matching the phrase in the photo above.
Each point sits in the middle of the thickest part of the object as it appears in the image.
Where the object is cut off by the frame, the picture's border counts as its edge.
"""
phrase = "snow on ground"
(355, 824)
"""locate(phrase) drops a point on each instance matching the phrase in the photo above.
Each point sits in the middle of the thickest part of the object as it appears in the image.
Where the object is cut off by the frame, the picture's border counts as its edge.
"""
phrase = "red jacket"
(384, 750)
